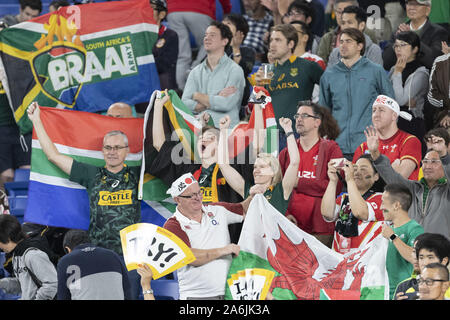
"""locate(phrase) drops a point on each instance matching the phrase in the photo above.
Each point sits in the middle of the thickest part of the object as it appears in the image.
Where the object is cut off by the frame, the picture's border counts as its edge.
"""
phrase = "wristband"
(289, 134)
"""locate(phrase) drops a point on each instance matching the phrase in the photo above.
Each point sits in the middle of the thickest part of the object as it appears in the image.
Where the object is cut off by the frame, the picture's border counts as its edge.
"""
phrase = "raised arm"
(157, 127)
(290, 176)
(60, 160)
(328, 205)
(357, 202)
(231, 175)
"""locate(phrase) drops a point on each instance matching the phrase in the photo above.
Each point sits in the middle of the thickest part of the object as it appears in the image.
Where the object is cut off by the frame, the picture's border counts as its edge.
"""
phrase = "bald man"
(120, 110)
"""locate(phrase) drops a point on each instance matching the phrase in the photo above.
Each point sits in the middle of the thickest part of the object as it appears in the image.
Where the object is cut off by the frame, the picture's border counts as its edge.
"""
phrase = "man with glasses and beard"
(311, 121)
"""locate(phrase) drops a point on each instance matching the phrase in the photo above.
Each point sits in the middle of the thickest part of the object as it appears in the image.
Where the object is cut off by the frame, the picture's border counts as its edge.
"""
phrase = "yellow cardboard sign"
(159, 248)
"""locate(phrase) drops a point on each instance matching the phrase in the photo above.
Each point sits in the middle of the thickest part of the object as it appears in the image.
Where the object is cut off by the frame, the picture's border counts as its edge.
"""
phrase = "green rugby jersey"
(113, 201)
(293, 81)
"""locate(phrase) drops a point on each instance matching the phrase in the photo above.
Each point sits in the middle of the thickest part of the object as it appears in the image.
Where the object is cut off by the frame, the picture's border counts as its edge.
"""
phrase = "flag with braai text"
(82, 57)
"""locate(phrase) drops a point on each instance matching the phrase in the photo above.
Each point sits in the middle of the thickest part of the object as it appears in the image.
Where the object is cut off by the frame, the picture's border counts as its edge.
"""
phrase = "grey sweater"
(434, 216)
(23, 284)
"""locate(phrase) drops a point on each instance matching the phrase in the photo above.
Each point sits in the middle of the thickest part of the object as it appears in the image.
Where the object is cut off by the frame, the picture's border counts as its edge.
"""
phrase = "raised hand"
(372, 139)
(224, 123)
(33, 112)
(332, 171)
(286, 124)
(400, 64)
(159, 102)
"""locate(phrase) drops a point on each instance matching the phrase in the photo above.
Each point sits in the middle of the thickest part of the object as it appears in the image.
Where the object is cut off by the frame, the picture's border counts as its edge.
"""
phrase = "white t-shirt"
(209, 279)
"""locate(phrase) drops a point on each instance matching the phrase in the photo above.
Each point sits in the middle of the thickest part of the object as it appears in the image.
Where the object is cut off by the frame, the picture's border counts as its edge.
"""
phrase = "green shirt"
(399, 269)
(274, 195)
(426, 189)
(293, 81)
(113, 201)
(440, 11)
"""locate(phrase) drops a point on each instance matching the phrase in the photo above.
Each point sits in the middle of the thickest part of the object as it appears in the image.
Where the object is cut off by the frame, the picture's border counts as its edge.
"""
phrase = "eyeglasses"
(400, 45)
(114, 148)
(304, 116)
(428, 282)
(295, 13)
(429, 161)
(196, 195)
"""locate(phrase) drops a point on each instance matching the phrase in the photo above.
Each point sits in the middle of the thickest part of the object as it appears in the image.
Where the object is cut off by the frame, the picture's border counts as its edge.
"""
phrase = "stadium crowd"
(360, 94)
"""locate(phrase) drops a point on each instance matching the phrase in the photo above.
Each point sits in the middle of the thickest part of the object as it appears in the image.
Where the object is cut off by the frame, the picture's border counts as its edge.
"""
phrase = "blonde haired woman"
(266, 172)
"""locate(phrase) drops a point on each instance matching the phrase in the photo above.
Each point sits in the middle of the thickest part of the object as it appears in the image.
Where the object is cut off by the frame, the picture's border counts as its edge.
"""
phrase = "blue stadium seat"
(16, 188)
(165, 289)
(22, 174)
(17, 207)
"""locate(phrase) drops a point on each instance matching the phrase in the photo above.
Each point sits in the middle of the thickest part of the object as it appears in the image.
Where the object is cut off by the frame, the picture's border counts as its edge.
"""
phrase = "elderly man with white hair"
(402, 149)
(204, 228)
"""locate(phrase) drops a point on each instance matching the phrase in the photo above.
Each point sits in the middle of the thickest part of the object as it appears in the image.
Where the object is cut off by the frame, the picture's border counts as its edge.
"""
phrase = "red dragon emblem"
(297, 264)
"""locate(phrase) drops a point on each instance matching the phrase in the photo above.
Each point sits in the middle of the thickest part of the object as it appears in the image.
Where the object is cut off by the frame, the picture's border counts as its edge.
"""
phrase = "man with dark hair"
(28, 10)
(89, 272)
(396, 201)
(349, 89)
(293, 78)
(191, 17)
(300, 10)
(165, 49)
(315, 153)
(355, 17)
(34, 273)
(217, 84)
(433, 282)
(331, 39)
(428, 248)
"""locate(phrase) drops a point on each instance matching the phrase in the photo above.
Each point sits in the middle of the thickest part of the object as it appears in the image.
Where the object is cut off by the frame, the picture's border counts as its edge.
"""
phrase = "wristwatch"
(392, 237)
(150, 291)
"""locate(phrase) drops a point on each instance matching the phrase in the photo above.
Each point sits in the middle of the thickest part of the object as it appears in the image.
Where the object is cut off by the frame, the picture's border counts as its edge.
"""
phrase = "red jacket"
(313, 222)
(207, 7)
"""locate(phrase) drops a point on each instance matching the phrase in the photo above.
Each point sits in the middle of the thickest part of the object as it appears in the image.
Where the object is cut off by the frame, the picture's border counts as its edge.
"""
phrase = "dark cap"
(161, 5)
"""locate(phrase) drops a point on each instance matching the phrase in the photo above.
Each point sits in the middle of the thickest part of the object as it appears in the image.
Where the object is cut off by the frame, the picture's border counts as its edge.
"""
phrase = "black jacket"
(431, 35)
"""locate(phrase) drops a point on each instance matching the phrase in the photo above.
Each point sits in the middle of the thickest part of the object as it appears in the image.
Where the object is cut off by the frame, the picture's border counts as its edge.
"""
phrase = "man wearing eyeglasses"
(112, 189)
(315, 152)
(431, 202)
(204, 228)
(433, 282)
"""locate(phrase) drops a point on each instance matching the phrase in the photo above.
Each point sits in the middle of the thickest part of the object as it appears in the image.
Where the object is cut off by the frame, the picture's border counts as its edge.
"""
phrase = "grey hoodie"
(434, 215)
(38, 262)
(372, 52)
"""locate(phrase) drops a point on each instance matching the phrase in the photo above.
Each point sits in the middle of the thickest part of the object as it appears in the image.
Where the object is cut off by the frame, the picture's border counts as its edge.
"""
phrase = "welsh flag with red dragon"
(304, 268)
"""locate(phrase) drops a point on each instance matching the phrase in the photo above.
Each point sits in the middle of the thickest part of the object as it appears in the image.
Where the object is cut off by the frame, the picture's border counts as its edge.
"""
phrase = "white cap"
(181, 184)
(393, 105)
